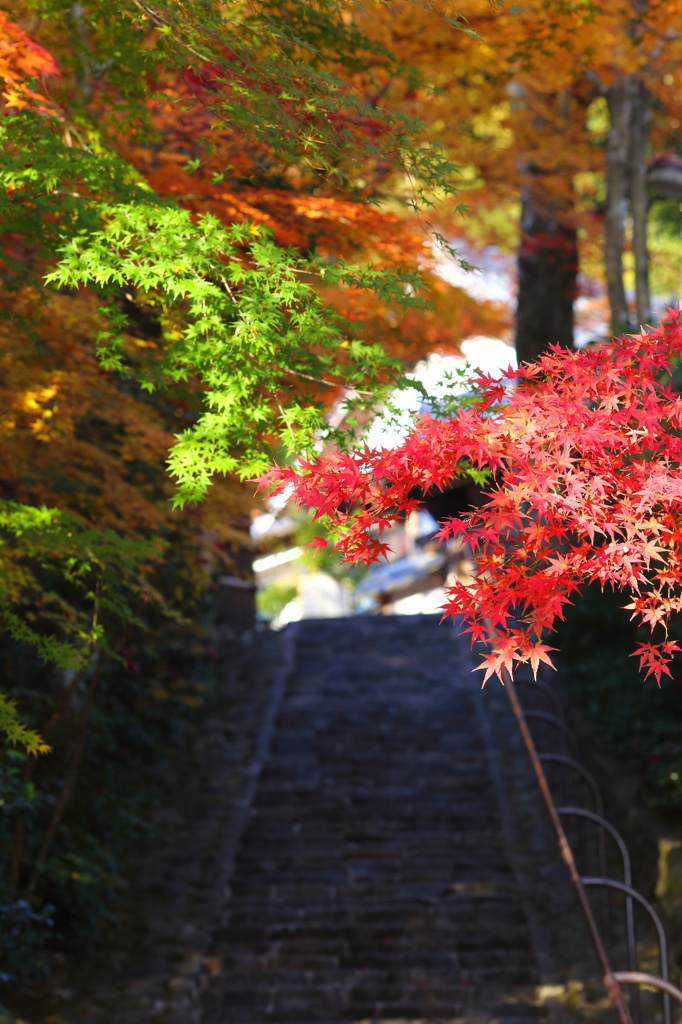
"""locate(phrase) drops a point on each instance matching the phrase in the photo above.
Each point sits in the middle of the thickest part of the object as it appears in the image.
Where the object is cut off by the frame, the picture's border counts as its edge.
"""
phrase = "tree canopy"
(213, 228)
(116, 177)
(219, 219)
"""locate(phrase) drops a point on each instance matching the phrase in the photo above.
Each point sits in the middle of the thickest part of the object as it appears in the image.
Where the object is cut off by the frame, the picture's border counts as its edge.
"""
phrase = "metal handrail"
(642, 978)
(546, 716)
(589, 780)
(570, 762)
(581, 812)
(610, 982)
(662, 943)
(545, 688)
(612, 979)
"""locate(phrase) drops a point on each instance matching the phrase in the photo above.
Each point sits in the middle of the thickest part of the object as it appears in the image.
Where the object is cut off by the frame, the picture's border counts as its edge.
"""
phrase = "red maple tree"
(584, 449)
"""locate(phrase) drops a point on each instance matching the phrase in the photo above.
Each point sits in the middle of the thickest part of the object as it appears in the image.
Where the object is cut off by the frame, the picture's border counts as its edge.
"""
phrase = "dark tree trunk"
(627, 189)
(548, 253)
(548, 270)
(619, 99)
(639, 197)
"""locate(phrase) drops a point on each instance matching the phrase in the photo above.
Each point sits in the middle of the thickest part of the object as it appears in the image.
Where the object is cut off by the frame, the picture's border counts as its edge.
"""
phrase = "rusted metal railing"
(557, 723)
(613, 980)
(630, 895)
(610, 982)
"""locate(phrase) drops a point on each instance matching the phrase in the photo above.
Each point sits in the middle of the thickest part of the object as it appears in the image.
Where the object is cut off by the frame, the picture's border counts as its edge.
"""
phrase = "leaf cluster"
(585, 450)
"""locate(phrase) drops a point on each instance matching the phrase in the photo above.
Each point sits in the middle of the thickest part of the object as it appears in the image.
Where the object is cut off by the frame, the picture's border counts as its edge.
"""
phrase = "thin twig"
(328, 383)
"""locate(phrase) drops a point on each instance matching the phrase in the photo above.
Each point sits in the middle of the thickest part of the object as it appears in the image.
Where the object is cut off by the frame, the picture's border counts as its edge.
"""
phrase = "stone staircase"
(372, 881)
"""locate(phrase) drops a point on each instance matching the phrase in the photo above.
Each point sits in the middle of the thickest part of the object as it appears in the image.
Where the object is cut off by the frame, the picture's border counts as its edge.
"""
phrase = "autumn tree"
(190, 176)
(624, 55)
(513, 129)
(529, 102)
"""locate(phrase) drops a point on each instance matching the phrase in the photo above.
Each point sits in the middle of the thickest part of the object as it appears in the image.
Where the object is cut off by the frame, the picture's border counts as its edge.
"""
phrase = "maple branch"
(229, 291)
(160, 21)
(287, 369)
(284, 419)
(322, 380)
(666, 37)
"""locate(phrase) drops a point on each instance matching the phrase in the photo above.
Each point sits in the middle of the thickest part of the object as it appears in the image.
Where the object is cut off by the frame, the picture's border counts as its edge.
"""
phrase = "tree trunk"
(639, 196)
(619, 99)
(548, 270)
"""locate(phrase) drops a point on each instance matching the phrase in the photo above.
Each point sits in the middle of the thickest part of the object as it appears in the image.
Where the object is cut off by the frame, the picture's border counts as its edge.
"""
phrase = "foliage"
(530, 94)
(217, 291)
(585, 448)
(100, 565)
(665, 234)
(15, 731)
(24, 930)
(251, 326)
(198, 261)
(271, 599)
(636, 724)
(22, 940)
(148, 712)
